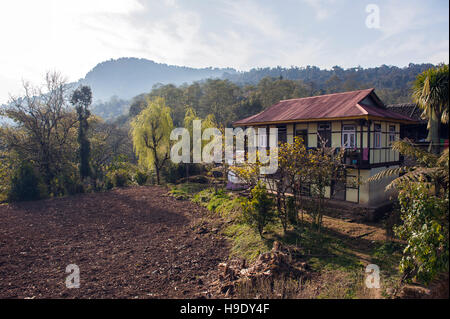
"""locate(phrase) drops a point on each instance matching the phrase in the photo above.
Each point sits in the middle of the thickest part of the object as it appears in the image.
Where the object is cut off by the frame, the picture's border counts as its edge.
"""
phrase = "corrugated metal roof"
(329, 106)
(409, 109)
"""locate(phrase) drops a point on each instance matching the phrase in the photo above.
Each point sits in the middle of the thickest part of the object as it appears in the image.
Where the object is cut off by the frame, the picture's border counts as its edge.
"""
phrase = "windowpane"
(391, 133)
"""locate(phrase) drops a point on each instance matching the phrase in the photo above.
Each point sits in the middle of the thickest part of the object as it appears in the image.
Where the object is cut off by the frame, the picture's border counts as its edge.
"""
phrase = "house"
(357, 121)
(417, 132)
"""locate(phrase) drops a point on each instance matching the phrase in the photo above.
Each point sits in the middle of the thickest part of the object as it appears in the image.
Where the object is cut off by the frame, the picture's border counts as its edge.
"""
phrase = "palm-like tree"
(430, 92)
(429, 168)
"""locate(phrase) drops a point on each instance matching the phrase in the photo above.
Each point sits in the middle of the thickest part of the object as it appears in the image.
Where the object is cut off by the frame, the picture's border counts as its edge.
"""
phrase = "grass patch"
(186, 191)
(245, 242)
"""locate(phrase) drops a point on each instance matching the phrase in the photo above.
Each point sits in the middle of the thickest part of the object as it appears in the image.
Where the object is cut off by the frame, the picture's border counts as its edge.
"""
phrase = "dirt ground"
(135, 242)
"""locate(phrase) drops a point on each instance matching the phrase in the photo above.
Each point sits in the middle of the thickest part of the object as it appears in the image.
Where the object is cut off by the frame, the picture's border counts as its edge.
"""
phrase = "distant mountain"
(125, 78)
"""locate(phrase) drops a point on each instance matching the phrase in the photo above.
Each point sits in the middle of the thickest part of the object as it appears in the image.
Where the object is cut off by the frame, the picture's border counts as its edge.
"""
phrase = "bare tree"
(44, 129)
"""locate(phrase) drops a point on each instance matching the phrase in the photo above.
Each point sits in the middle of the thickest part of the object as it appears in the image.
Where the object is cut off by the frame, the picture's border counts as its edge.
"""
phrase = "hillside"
(128, 77)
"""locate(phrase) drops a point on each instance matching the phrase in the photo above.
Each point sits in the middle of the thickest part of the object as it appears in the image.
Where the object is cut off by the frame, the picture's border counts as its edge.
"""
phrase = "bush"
(171, 173)
(25, 184)
(108, 183)
(425, 230)
(120, 177)
(141, 178)
(258, 211)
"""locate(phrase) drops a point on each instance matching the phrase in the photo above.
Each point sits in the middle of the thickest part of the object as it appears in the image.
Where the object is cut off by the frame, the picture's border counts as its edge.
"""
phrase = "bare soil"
(135, 242)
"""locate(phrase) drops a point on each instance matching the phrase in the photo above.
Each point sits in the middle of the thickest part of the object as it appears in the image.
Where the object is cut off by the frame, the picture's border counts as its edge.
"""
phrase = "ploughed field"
(135, 242)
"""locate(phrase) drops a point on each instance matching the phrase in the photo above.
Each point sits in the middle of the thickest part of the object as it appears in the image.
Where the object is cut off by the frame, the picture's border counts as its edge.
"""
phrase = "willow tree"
(150, 132)
(430, 92)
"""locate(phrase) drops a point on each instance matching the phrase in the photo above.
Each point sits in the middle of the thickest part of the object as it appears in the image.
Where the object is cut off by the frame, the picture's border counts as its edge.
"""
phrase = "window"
(348, 136)
(377, 136)
(262, 137)
(282, 134)
(391, 134)
(304, 135)
(324, 134)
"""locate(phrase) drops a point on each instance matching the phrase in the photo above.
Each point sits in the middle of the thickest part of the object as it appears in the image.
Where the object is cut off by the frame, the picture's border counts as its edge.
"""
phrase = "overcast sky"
(72, 36)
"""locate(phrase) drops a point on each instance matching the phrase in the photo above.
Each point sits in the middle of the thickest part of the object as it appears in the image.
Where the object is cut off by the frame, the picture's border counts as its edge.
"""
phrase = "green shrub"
(171, 173)
(141, 178)
(258, 211)
(108, 183)
(25, 184)
(425, 230)
(120, 177)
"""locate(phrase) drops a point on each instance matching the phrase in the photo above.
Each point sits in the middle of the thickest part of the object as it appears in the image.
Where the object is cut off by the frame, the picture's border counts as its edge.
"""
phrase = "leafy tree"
(81, 99)
(150, 132)
(108, 141)
(431, 93)
(217, 99)
(325, 168)
(45, 130)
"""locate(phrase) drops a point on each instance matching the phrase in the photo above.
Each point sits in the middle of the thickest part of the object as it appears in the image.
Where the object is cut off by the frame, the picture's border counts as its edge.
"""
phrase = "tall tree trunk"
(434, 124)
(157, 175)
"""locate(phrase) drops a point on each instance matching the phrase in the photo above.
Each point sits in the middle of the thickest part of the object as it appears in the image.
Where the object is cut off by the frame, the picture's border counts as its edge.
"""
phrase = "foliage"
(81, 99)
(119, 173)
(258, 211)
(429, 168)
(425, 229)
(150, 132)
(6, 170)
(119, 177)
(326, 168)
(107, 141)
(431, 93)
(45, 130)
(25, 184)
(298, 168)
(140, 177)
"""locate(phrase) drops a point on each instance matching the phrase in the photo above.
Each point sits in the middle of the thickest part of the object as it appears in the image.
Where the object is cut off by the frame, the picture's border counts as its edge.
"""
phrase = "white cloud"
(322, 8)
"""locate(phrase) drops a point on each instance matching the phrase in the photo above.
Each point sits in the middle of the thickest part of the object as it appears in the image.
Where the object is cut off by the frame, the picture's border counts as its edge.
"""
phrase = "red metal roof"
(329, 106)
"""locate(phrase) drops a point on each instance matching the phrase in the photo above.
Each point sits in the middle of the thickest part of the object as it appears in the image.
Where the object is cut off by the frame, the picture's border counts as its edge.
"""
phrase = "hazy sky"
(72, 36)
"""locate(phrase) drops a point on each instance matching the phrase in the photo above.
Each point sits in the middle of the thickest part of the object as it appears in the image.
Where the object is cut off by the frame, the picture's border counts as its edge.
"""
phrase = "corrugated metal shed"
(354, 104)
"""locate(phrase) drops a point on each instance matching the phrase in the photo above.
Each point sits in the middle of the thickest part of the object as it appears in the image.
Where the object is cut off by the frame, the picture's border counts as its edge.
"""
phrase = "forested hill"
(391, 82)
(128, 77)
